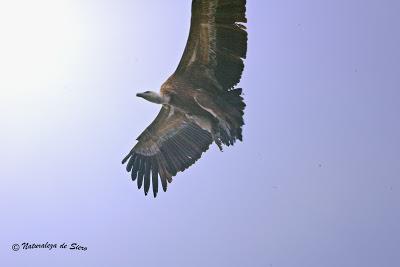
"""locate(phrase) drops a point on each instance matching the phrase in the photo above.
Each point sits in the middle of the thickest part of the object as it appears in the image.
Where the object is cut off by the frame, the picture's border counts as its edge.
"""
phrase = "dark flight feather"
(154, 176)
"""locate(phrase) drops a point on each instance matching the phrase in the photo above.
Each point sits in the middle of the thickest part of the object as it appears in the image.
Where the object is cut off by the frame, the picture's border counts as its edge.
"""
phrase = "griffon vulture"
(199, 102)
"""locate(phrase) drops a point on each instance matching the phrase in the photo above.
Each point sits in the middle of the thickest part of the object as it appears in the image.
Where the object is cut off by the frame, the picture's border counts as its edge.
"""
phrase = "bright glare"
(38, 43)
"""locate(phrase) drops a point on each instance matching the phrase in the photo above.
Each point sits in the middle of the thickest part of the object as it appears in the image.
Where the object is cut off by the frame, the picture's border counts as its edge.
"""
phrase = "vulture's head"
(151, 96)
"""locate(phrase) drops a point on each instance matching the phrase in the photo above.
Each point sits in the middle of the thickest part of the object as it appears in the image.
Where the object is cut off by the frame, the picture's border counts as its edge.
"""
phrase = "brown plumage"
(199, 102)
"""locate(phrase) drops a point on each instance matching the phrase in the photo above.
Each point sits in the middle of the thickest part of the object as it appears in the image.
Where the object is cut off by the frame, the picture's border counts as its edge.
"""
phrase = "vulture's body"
(199, 102)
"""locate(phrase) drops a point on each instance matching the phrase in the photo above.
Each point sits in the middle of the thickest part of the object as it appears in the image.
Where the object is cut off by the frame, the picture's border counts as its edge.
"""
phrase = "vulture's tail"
(230, 128)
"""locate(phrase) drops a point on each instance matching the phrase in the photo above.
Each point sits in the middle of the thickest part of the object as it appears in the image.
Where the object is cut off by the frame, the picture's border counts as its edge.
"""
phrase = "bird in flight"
(199, 102)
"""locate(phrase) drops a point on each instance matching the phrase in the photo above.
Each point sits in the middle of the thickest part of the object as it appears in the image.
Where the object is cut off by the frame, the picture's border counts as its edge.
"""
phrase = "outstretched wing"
(217, 43)
(171, 143)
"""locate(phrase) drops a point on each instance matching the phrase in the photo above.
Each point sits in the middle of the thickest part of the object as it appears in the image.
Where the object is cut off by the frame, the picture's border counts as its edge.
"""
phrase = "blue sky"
(315, 182)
